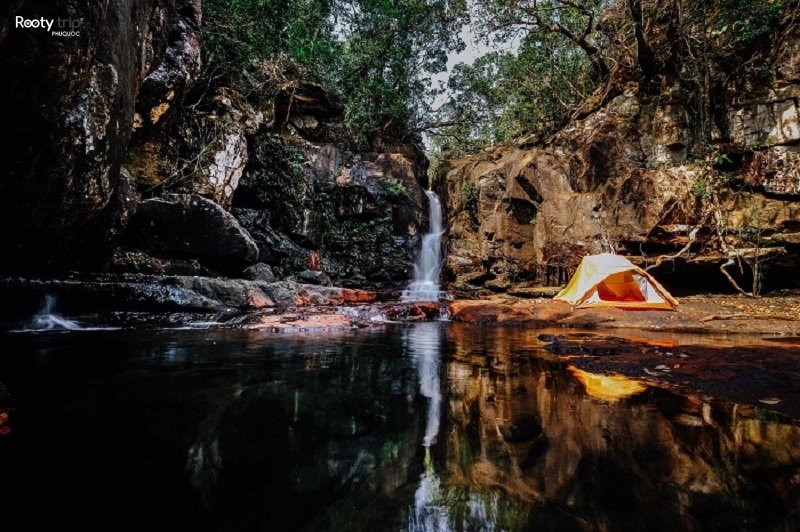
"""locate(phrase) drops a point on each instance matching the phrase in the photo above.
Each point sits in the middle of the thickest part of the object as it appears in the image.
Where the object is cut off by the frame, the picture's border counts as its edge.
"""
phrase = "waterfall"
(428, 266)
(48, 320)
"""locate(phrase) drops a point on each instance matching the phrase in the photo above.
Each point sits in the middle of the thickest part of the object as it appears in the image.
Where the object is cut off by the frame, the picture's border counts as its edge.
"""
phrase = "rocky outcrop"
(191, 226)
(313, 206)
(259, 272)
(71, 100)
(627, 178)
(159, 293)
(101, 119)
(204, 150)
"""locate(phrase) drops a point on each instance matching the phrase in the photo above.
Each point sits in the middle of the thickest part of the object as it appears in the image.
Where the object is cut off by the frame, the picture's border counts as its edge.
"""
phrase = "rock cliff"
(632, 173)
(68, 109)
(116, 142)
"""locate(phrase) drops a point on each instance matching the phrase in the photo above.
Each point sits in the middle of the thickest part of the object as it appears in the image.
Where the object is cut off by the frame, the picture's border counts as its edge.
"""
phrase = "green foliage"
(702, 188)
(748, 233)
(391, 50)
(377, 55)
(297, 161)
(747, 22)
(468, 191)
(393, 190)
(759, 146)
(356, 231)
(240, 34)
(505, 95)
(706, 185)
(721, 159)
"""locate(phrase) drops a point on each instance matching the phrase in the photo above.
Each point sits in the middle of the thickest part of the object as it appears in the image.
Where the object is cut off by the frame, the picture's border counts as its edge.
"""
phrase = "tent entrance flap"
(620, 287)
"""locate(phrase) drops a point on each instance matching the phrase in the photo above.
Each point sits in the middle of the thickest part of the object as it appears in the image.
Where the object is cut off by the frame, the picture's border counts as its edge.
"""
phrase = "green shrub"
(702, 189)
(748, 22)
(468, 192)
(393, 190)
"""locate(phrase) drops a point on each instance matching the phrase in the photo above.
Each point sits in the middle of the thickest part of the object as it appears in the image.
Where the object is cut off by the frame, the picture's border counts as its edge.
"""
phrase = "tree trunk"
(647, 61)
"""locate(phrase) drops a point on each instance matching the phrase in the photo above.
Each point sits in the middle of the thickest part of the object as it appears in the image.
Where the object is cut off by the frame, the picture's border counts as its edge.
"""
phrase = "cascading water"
(48, 320)
(428, 267)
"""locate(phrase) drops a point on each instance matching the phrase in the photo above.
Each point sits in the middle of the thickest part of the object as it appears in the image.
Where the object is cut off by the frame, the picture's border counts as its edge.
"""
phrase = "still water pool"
(428, 427)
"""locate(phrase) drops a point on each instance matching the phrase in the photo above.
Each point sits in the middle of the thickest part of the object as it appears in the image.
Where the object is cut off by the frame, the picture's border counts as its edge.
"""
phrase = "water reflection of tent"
(607, 387)
(612, 281)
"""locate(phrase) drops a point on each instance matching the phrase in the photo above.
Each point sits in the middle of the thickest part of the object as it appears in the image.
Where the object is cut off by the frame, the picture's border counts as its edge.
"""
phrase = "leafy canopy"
(377, 55)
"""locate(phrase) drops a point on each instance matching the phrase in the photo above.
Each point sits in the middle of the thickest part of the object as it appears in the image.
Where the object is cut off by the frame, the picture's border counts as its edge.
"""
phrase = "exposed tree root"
(723, 269)
(684, 249)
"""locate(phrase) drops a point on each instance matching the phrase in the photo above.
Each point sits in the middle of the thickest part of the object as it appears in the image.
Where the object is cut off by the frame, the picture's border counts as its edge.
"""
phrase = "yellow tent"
(612, 281)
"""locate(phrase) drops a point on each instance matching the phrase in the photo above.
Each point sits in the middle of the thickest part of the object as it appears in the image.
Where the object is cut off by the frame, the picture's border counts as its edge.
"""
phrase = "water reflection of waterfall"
(428, 512)
(423, 342)
(428, 266)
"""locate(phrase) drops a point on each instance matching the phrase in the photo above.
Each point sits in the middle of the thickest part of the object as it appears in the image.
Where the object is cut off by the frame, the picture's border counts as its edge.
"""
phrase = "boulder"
(227, 293)
(260, 272)
(314, 277)
(344, 296)
(188, 225)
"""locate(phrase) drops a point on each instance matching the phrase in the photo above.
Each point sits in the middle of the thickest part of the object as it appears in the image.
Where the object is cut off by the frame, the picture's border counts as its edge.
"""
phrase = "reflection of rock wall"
(533, 433)
(344, 443)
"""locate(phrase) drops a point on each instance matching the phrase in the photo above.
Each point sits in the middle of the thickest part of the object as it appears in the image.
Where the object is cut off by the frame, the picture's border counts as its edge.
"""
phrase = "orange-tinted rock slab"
(295, 323)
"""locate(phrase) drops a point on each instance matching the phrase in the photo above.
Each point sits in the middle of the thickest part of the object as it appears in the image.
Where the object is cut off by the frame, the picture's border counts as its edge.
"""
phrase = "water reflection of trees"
(320, 434)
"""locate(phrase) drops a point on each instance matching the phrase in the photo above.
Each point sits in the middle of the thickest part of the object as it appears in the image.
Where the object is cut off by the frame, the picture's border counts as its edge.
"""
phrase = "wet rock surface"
(745, 370)
(172, 293)
(701, 314)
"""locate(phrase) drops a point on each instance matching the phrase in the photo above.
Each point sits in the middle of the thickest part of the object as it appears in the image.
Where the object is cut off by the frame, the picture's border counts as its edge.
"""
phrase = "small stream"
(434, 426)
